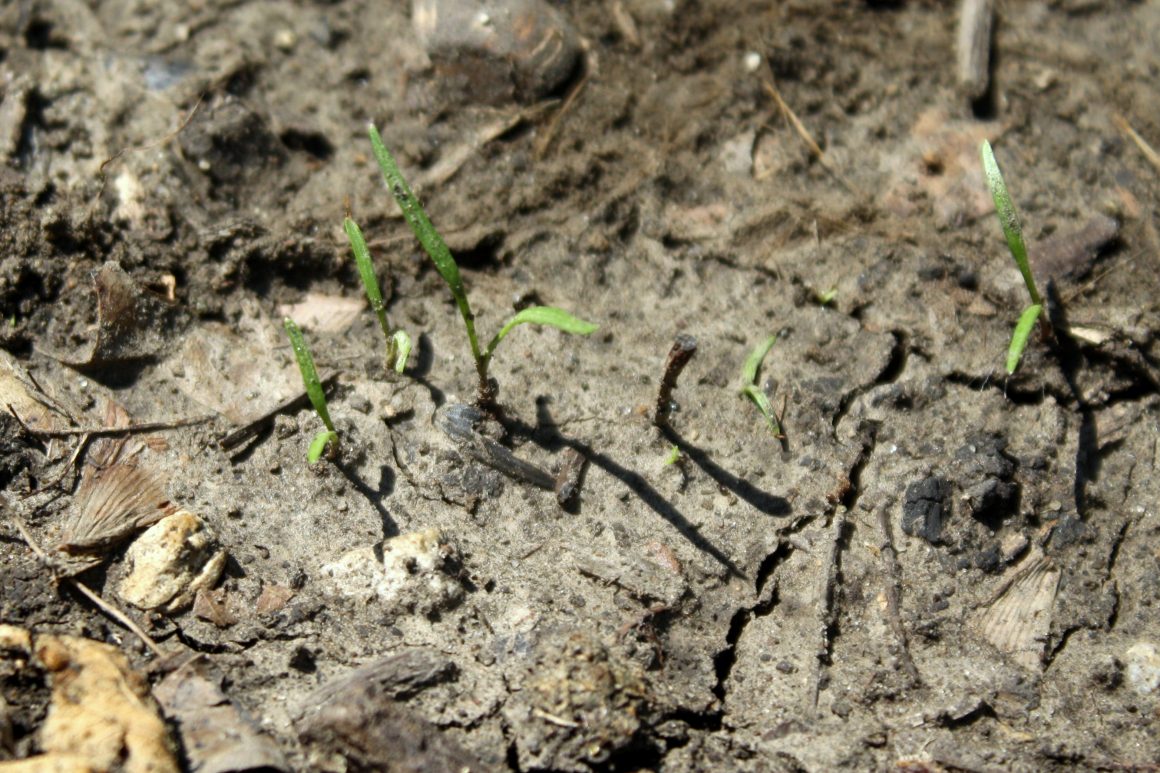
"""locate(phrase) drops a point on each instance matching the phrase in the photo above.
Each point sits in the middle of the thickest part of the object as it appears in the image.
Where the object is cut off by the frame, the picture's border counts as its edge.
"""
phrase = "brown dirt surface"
(938, 567)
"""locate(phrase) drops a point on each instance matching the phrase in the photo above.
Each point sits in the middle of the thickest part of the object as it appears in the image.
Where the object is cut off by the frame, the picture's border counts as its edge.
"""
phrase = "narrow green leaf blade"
(543, 315)
(1019, 338)
(1008, 219)
(309, 372)
(362, 257)
(753, 362)
(416, 216)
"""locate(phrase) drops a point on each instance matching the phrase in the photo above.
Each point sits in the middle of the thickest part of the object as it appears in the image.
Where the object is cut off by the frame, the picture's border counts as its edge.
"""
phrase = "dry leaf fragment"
(1018, 620)
(101, 717)
(112, 504)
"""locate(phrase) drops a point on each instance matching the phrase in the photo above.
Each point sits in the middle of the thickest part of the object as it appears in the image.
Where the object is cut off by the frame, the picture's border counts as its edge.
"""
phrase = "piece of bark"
(356, 722)
(216, 735)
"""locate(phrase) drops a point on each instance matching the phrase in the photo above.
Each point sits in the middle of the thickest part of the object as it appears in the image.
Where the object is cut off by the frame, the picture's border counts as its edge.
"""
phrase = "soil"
(938, 567)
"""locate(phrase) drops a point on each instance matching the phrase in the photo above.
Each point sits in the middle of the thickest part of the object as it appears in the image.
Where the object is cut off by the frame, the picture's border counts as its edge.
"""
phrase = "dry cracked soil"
(937, 566)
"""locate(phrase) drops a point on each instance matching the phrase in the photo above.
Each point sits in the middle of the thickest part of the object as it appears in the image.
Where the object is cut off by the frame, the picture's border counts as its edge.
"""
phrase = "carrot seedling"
(749, 386)
(398, 342)
(327, 439)
(445, 264)
(1013, 232)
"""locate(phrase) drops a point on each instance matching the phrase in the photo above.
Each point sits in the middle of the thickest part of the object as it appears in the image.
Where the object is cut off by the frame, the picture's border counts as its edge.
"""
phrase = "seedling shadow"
(373, 495)
(1071, 359)
(547, 436)
(763, 501)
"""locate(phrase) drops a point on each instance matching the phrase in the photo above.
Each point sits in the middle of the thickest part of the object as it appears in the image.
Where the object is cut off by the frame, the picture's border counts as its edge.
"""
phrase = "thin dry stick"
(829, 609)
(550, 132)
(802, 132)
(893, 594)
(1149, 153)
(684, 347)
(147, 426)
(88, 593)
(974, 47)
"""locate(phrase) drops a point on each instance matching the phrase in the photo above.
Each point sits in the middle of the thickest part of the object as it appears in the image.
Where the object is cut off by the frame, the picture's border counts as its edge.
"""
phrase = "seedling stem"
(445, 264)
(398, 342)
(1013, 232)
(750, 389)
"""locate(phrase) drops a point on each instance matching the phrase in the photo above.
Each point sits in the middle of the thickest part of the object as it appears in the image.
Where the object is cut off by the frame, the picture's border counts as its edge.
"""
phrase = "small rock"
(416, 572)
(168, 564)
(492, 51)
(1012, 546)
(1143, 667)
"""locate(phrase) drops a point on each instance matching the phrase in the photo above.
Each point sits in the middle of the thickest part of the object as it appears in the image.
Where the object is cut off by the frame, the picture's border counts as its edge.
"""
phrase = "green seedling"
(1013, 232)
(445, 264)
(398, 342)
(673, 456)
(327, 439)
(749, 386)
(826, 298)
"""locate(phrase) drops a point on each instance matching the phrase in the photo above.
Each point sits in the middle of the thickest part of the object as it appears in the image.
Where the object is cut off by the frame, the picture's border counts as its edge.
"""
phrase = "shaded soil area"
(936, 566)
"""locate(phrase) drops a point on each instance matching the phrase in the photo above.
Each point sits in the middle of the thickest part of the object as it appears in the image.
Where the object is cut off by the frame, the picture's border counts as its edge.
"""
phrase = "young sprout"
(398, 342)
(1013, 232)
(327, 439)
(445, 264)
(749, 386)
(673, 456)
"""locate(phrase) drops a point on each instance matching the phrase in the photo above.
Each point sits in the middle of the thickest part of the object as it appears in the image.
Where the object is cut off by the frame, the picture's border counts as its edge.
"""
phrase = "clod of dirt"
(580, 704)
(1143, 666)
(216, 736)
(171, 562)
(492, 51)
(416, 572)
(926, 508)
(232, 143)
(101, 716)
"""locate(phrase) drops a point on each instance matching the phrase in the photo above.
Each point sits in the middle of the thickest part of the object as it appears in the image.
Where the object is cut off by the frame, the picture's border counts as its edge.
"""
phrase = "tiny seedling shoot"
(749, 386)
(327, 439)
(1013, 232)
(435, 247)
(398, 342)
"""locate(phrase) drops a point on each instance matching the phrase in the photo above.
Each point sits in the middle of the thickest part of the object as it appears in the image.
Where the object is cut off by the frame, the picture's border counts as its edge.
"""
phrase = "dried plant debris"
(112, 504)
(1017, 621)
(174, 559)
(359, 721)
(216, 735)
(579, 704)
(101, 716)
(131, 322)
(20, 395)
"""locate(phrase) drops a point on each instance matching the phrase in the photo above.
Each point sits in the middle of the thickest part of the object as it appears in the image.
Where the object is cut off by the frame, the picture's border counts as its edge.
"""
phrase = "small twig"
(88, 593)
(72, 460)
(147, 426)
(893, 593)
(550, 132)
(684, 347)
(1148, 151)
(974, 47)
(804, 133)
